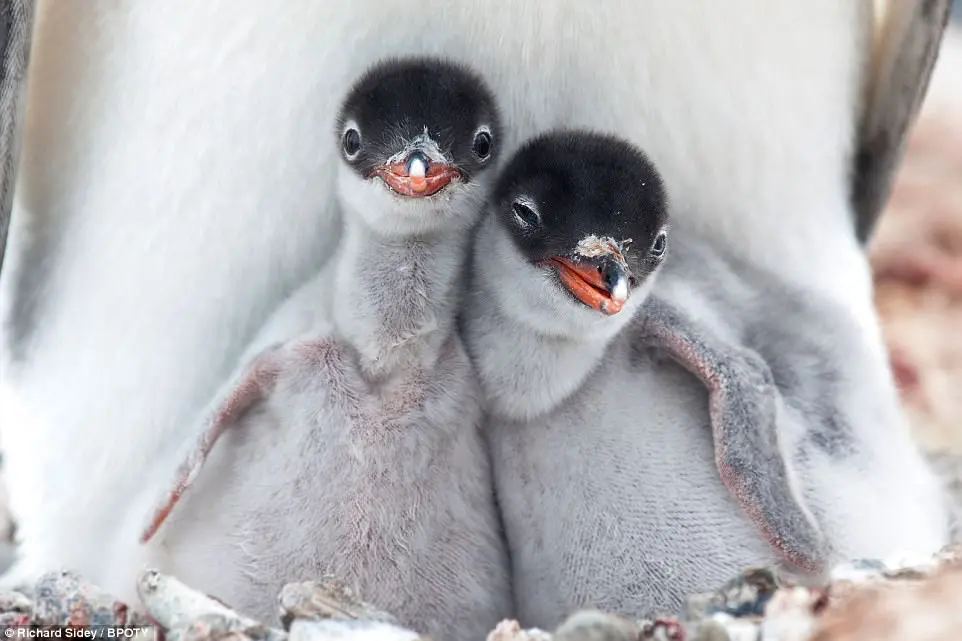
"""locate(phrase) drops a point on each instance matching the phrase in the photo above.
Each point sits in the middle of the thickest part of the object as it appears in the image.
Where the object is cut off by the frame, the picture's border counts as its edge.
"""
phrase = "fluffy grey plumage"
(642, 456)
(354, 445)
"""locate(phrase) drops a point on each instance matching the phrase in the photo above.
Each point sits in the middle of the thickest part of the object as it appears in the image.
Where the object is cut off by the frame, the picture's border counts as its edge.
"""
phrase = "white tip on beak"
(418, 170)
(619, 292)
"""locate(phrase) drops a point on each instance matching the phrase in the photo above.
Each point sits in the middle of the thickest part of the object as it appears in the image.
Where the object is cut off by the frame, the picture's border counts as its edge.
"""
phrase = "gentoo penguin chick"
(354, 445)
(603, 460)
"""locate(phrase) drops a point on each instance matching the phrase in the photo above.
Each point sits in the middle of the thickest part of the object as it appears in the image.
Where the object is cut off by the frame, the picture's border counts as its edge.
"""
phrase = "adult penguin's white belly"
(177, 172)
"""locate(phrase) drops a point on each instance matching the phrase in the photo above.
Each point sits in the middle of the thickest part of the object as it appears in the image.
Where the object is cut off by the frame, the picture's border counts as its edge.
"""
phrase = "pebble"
(511, 630)
(744, 596)
(65, 599)
(328, 598)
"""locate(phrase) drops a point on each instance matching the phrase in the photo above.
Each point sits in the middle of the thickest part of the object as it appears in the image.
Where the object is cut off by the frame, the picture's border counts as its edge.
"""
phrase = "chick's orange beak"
(600, 283)
(416, 176)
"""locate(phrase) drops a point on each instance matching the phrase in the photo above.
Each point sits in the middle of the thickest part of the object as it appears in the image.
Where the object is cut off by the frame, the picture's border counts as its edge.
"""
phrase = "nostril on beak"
(610, 275)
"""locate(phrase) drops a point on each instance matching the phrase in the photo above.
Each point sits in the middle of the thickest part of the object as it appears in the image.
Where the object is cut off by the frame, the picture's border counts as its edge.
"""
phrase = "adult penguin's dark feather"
(906, 43)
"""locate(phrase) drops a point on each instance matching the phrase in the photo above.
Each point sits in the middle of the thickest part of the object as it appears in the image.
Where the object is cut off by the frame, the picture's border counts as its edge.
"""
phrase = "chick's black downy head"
(419, 125)
(591, 209)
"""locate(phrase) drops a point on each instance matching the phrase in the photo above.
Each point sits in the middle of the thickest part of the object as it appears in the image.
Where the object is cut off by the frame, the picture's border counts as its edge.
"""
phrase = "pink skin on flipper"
(254, 386)
(687, 354)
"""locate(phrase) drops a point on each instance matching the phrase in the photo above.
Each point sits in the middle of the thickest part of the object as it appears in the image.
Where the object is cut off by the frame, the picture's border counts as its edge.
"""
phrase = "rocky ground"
(862, 601)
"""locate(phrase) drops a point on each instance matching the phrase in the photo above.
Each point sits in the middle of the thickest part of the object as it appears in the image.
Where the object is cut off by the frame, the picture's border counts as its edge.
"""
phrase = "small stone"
(328, 598)
(790, 614)
(738, 629)
(662, 629)
(709, 630)
(744, 596)
(65, 599)
(218, 627)
(188, 613)
(593, 625)
(858, 571)
(15, 602)
(511, 630)
(14, 620)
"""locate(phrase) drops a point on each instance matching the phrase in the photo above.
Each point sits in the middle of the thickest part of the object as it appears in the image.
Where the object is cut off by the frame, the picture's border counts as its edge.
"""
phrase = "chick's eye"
(482, 145)
(351, 142)
(660, 245)
(525, 214)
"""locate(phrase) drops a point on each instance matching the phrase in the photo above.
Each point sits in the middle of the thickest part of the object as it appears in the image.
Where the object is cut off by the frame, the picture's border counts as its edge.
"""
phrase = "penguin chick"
(355, 446)
(607, 463)
(581, 225)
